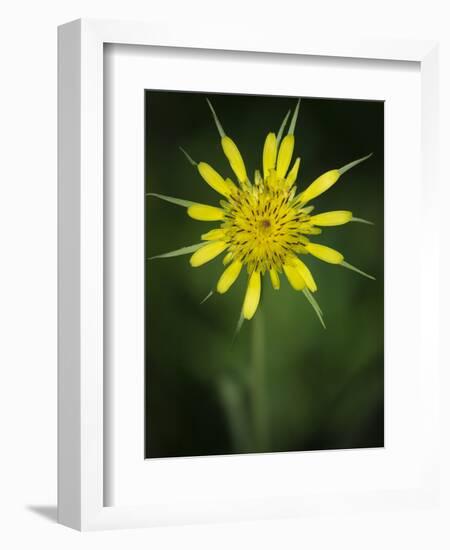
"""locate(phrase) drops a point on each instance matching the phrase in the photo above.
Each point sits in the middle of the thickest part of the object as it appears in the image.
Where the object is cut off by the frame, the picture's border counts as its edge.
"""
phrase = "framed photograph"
(263, 373)
(248, 275)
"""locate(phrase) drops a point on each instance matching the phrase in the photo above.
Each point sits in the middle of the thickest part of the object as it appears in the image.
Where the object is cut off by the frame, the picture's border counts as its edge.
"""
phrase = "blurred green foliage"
(324, 388)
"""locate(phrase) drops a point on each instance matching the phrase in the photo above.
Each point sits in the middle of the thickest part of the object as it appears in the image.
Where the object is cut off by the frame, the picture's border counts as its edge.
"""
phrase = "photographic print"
(264, 301)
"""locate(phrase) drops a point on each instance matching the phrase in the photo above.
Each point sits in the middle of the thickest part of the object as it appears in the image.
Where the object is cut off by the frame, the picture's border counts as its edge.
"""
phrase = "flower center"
(262, 227)
(265, 225)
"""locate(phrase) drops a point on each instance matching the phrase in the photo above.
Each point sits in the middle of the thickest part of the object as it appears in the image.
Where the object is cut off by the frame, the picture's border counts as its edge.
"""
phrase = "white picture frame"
(81, 404)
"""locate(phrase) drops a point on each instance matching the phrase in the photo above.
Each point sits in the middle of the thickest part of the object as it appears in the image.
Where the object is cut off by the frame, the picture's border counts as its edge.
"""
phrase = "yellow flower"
(265, 226)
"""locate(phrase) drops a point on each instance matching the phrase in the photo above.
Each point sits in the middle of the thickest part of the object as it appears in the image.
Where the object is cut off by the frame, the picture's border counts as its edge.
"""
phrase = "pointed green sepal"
(238, 326)
(282, 127)
(360, 220)
(179, 252)
(173, 200)
(315, 306)
(207, 297)
(216, 119)
(189, 158)
(350, 165)
(294, 119)
(353, 268)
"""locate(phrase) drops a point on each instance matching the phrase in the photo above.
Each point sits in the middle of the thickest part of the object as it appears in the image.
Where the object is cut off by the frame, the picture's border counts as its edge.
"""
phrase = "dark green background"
(325, 388)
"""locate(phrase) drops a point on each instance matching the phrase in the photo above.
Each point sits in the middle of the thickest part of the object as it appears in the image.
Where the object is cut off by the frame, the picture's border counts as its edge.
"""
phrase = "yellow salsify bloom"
(264, 226)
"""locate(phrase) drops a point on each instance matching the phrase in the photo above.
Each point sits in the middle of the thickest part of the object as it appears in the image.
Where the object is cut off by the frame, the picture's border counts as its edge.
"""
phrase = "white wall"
(28, 269)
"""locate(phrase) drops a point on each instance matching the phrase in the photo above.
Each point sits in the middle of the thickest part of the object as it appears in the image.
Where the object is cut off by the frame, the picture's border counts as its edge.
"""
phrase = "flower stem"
(257, 383)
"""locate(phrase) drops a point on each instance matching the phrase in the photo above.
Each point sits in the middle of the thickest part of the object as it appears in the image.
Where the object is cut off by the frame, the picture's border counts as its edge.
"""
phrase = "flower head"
(265, 226)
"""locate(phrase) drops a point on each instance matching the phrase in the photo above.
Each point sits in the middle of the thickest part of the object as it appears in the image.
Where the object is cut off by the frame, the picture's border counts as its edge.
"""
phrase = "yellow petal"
(325, 181)
(325, 253)
(228, 277)
(269, 154)
(337, 217)
(294, 277)
(285, 155)
(234, 158)
(320, 185)
(205, 213)
(292, 176)
(214, 235)
(275, 279)
(308, 229)
(305, 273)
(207, 253)
(231, 186)
(228, 257)
(258, 178)
(272, 180)
(213, 179)
(252, 295)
